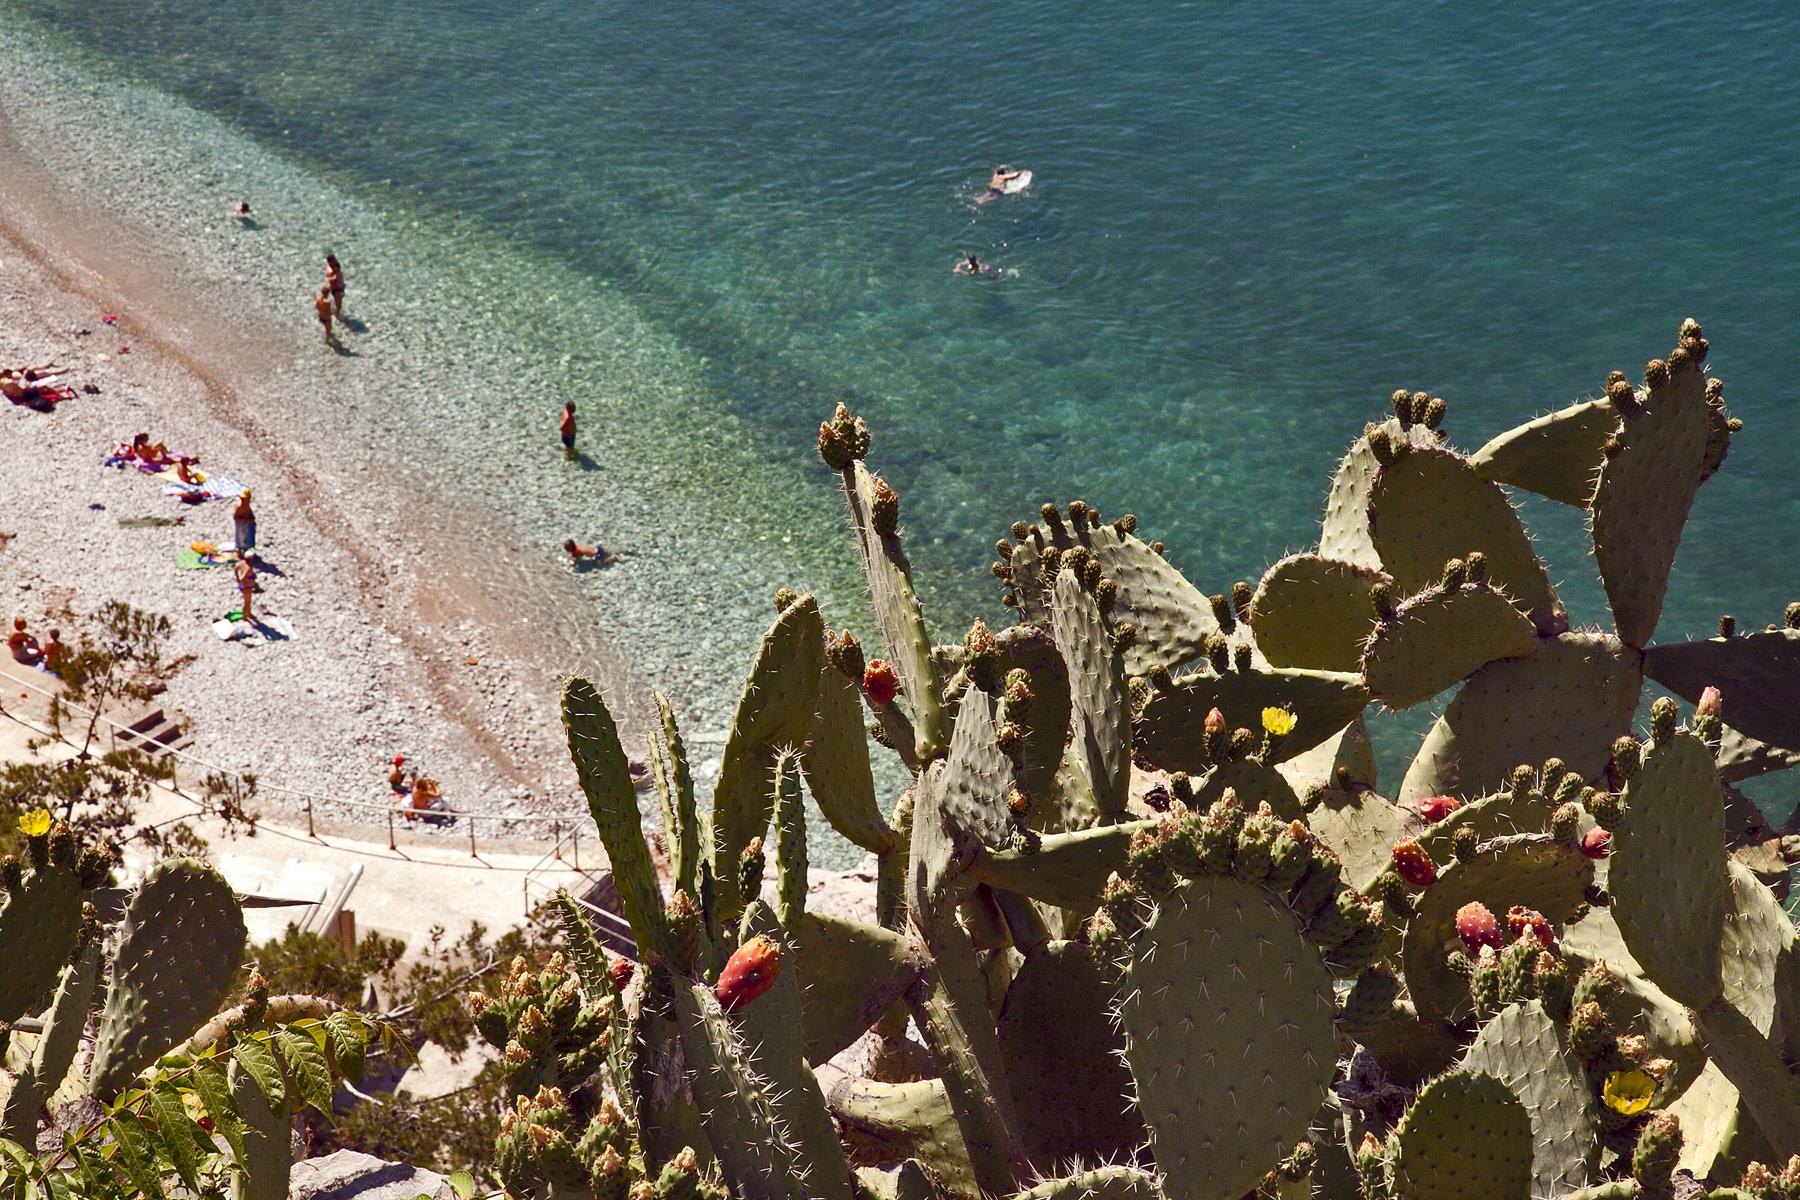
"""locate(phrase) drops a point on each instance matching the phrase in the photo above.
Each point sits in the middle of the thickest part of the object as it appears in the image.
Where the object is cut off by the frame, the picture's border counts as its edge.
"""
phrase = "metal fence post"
(314, 835)
(575, 840)
(472, 853)
(391, 845)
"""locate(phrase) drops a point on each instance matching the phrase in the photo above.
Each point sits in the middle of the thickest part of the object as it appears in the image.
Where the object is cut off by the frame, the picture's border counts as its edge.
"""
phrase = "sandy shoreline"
(399, 650)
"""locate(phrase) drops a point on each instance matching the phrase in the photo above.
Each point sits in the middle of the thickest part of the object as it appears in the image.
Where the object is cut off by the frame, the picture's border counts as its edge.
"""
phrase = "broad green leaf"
(348, 1041)
(308, 1068)
(178, 1135)
(462, 1183)
(257, 1055)
(136, 1157)
(214, 1092)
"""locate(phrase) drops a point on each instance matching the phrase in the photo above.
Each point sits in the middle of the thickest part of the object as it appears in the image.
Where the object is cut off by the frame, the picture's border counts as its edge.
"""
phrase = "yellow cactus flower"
(1628, 1093)
(1278, 721)
(35, 823)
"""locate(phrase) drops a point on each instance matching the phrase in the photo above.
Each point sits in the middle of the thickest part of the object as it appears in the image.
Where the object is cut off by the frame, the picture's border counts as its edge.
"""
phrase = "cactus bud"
(843, 439)
(1477, 564)
(1662, 719)
(1381, 445)
(1654, 1158)
(1568, 788)
(784, 598)
(1435, 412)
(1156, 548)
(1382, 596)
(1007, 736)
(684, 915)
(1159, 677)
(1727, 625)
(1241, 596)
(845, 654)
(884, 509)
(1242, 658)
(1106, 594)
(1126, 524)
(1656, 374)
(1125, 635)
(1565, 823)
(93, 866)
(1464, 844)
(750, 870)
(1401, 403)
(1222, 614)
(1051, 515)
(1218, 653)
(1707, 714)
(1521, 781)
(1455, 574)
(1679, 360)
(1078, 513)
(1607, 809)
(1020, 530)
(1311, 797)
(12, 873)
(1627, 756)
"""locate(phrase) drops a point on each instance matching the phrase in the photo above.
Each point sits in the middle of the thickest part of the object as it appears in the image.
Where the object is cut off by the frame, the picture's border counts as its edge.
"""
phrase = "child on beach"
(566, 429)
(53, 653)
(24, 647)
(397, 776)
(578, 554)
(322, 306)
(334, 282)
(245, 571)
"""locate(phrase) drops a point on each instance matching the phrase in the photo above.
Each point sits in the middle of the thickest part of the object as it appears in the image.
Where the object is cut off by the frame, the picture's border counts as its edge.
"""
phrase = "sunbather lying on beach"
(49, 370)
(37, 392)
(578, 554)
(186, 476)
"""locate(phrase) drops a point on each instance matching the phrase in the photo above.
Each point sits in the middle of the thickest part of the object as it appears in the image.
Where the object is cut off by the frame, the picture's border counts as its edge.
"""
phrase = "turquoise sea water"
(1249, 225)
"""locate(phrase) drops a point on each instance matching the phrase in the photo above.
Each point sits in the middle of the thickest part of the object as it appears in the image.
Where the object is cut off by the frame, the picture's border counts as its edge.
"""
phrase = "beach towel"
(233, 628)
(189, 559)
(217, 487)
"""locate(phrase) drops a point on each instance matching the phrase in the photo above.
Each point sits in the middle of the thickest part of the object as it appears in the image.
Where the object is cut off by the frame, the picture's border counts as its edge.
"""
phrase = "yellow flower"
(1628, 1092)
(35, 823)
(1278, 721)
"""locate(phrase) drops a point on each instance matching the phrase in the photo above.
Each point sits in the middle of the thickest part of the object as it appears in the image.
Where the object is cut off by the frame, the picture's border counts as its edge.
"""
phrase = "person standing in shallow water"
(334, 280)
(322, 306)
(566, 429)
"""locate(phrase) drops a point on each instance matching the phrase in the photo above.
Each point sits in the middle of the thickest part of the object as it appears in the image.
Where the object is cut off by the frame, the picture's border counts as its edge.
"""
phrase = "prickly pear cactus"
(1466, 1135)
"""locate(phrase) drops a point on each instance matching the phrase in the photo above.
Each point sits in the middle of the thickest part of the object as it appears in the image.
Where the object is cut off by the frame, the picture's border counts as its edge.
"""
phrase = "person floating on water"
(578, 554)
(334, 280)
(565, 428)
(975, 268)
(997, 182)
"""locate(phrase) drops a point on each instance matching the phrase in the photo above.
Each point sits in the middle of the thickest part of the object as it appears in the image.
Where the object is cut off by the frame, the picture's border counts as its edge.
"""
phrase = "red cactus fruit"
(1596, 843)
(748, 973)
(1521, 921)
(621, 970)
(1413, 864)
(880, 682)
(1476, 926)
(1436, 808)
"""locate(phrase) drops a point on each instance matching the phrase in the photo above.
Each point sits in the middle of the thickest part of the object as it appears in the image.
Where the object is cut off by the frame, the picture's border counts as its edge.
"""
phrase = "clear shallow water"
(1248, 226)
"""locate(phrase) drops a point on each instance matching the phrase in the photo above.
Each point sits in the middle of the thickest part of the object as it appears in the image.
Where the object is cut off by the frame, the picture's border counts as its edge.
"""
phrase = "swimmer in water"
(975, 268)
(997, 182)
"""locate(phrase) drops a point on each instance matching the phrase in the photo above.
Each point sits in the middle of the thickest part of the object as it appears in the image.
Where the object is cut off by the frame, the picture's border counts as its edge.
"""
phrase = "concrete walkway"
(427, 880)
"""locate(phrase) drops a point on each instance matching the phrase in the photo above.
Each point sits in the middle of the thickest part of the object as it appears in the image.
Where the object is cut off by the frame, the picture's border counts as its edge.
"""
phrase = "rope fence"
(565, 825)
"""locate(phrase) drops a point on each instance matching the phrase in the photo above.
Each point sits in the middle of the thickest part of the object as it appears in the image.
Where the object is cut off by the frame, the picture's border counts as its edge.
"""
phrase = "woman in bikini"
(334, 279)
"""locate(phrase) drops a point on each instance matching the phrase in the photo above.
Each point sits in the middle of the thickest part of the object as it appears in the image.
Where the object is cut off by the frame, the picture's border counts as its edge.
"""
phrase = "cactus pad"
(1068, 870)
(1171, 721)
(1438, 638)
(605, 776)
(850, 973)
(1429, 506)
(1361, 829)
(1759, 675)
(1314, 612)
(1740, 757)
(1071, 1092)
(1344, 757)
(1255, 782)
(37, 935)
(977, 775)
(1667, 874)
(1173, 618)
(1643, 498)
(1466, 1136)
(1104, 1183)
(1529, 870)
(1100, 710)
(1345, 533)
(1227, 1012)
(897, 612)
(775, 711)
(179, 947)
(837, 769)
(1558, 455)
(1522, 1048)
(883, 1122)
(1570, 700)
